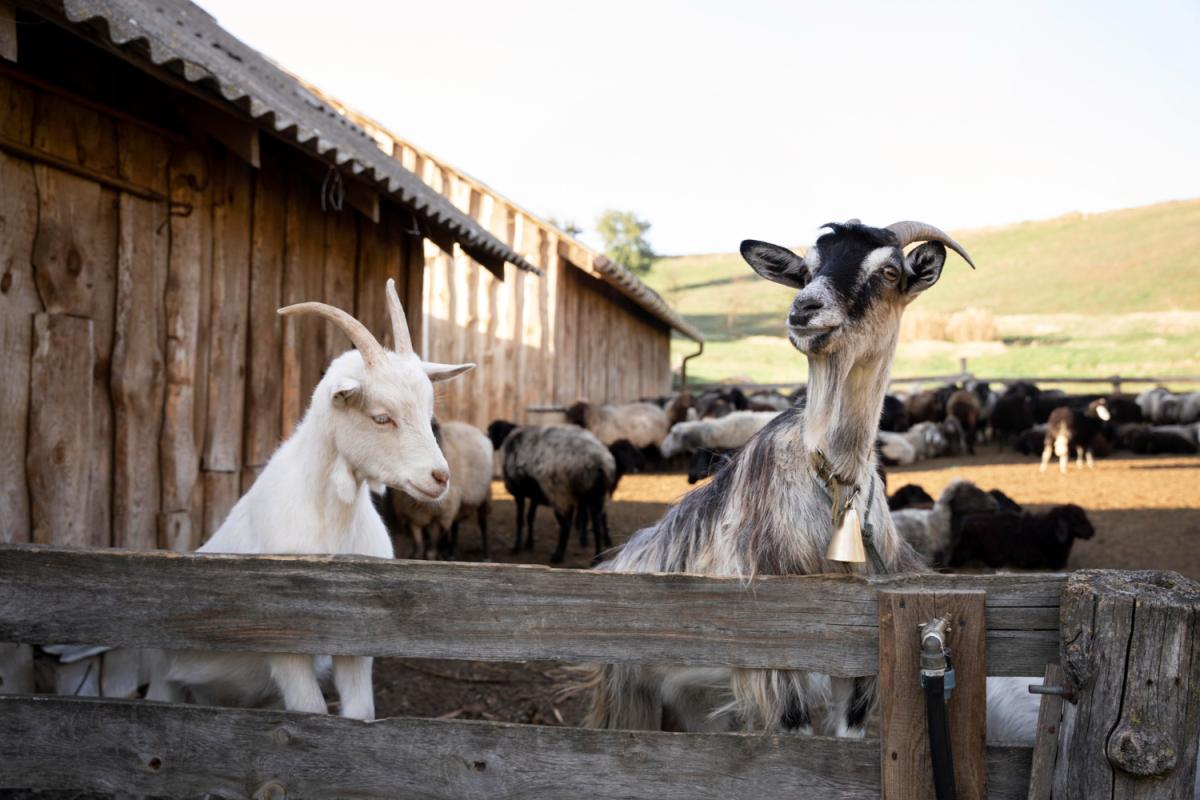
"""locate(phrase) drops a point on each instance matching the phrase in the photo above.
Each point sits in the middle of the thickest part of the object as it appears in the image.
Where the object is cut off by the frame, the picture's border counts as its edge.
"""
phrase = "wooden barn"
(165, 190)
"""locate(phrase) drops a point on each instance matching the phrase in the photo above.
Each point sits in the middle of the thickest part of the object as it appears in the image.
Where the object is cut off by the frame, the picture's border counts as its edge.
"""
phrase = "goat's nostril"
(440, 477)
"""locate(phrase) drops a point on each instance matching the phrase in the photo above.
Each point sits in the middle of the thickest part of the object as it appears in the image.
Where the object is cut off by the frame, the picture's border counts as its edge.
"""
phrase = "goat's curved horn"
(370, 348)
(402, 341)
(908, 232)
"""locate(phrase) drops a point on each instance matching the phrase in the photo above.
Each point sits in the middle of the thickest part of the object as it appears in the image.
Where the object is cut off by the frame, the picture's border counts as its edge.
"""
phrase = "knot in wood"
(1145, 751)
(271, 790)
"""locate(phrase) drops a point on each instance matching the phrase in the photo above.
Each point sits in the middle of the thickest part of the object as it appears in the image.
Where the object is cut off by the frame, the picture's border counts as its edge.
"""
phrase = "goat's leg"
(481, 516)
(564, 533)
(520, 501)
(1046, 456)
(352, 678)
(296, 678)
(533, 507)
(852, 699)
(1078, 457)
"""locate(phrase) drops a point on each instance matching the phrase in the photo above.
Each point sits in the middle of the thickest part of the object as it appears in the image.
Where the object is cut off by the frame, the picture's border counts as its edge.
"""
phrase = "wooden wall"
(146, 378)
(541, 340)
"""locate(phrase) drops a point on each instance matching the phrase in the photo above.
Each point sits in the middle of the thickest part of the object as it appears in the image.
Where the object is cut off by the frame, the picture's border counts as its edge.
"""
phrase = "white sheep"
(368, 424)
(921, 441)
(719, 433)
(643, 424)
(927, 530)
(468, 453)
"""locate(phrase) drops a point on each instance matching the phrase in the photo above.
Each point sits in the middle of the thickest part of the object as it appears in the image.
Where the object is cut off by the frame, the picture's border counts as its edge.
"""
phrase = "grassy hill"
(1081, 295)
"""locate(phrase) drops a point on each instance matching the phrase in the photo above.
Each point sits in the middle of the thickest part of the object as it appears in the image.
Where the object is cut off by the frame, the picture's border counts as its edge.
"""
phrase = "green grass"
(1064, 291)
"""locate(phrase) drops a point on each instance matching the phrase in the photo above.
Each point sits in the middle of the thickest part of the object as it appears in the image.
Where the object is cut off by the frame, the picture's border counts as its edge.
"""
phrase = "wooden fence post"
(906, 769)
(1131, 657)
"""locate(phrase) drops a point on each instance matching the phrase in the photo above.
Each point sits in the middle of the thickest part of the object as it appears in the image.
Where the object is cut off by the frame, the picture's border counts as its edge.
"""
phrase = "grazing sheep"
(716, 403)
(563, 467)
(964, 406)
(894, 417)
(927, 406)
(1024, 541)
(725, 433)
(910, 496)
(964, 498)
(927, 530)
(769, 511)
(922, 441)
(644, 425)
(1157, 442)
(1030, 441)
(1189, 409)
(368, 424)
(1004, 502)
(680, 407)
(1190, 432)
(766, 400)
(469, 455)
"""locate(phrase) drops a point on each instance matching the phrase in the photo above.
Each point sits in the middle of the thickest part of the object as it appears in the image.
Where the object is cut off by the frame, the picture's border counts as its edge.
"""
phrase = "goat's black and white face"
(854, 285)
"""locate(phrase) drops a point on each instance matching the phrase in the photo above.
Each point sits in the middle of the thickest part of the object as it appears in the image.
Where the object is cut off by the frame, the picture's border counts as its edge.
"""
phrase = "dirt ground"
(1146, 511)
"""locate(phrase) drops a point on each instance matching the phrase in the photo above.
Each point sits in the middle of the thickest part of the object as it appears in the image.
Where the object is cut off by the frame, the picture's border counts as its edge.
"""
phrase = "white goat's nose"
(440, 476)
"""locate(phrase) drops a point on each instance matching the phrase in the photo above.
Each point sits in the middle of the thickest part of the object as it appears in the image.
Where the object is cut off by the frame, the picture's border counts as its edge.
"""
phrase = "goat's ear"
(776, 263)
(348, 393)
(924, 265)
(444, 372)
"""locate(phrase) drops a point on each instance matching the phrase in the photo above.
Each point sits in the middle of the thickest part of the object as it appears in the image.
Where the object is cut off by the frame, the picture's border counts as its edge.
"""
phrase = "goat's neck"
(326, 480)
(841, 419)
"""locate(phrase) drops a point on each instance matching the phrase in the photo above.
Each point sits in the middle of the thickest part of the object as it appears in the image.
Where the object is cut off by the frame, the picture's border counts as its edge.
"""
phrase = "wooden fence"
(839, 625)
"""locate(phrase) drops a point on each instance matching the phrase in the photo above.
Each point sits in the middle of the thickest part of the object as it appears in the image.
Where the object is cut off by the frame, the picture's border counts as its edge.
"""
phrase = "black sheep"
(1024, 541)
(1152, 442)
(894, 417)
(1012, 416)
(910, 496)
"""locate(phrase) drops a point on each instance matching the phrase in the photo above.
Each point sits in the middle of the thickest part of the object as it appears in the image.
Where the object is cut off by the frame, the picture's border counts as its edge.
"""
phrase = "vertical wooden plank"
(16, 104)
(264, 401)
(1045, 746)
(412, 264)
(8, 31)
(548, 305)
(905, 759)
(221, 491)
(18, 303)
(189, 260)
(60, 429)
(232, 190)
(138, 371)
(303, 280)
(341, 255)
(16, 668)
(472, 409)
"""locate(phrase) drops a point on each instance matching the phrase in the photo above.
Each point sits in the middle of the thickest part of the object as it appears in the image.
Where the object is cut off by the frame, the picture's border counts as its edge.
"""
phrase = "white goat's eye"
(381, 419)
(891, 273)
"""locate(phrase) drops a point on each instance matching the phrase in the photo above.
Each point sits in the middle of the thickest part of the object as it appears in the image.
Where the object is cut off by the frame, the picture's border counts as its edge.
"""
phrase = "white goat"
(368, 424)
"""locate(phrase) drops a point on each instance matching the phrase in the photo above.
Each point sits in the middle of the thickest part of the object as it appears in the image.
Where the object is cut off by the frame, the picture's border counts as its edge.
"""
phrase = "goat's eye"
(381, 419)
(891, 273)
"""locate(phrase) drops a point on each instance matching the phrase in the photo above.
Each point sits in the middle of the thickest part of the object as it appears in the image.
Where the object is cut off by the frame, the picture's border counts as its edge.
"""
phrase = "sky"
(719, 121)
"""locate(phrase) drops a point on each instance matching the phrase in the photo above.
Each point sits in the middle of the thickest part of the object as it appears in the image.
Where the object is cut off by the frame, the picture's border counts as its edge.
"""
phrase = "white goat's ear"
(348, 393)
(444, 372)
(776, 263)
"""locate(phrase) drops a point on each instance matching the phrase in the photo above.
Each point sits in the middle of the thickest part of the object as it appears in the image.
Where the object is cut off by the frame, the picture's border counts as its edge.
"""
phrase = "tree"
(567, 226)
(625, 242)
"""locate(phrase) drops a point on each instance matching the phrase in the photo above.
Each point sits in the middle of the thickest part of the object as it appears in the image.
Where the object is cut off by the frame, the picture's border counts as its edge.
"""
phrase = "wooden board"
(221, 491)
(264, 397)
(232, 201)
(177, 750)
(340, 259)
(321, 604)
(60, 429)
(1045, 748)
(188, 262)
(16, 668)
(303, 281)
(18, 303)
(904, 754)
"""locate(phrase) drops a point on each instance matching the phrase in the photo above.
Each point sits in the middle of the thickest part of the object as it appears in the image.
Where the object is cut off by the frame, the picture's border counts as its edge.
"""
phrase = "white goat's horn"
(402, 342)
(908, 232)
(370, 348)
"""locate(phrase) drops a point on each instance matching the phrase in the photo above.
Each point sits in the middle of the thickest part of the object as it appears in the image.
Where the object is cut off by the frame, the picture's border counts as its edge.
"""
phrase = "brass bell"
(847, 544)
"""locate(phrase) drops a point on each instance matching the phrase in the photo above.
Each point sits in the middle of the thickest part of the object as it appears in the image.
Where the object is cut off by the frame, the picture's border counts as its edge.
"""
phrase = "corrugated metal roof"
(182, 38)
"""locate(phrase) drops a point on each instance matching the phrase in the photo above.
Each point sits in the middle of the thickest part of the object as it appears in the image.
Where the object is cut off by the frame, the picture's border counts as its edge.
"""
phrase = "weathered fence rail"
(841, 625)
(364, 606)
